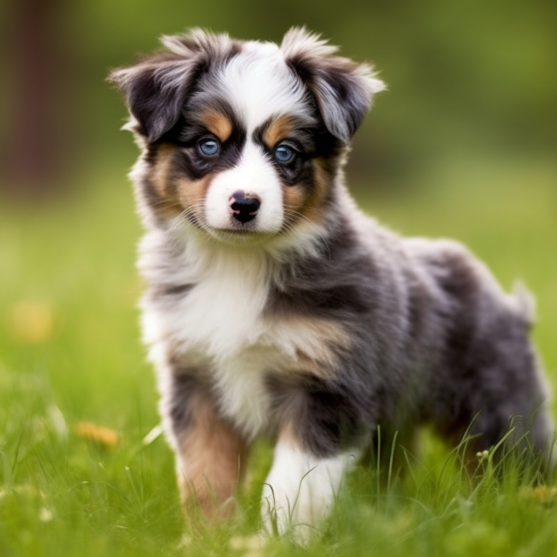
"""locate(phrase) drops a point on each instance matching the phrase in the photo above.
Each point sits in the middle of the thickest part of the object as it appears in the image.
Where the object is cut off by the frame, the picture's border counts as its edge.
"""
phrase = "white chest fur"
(220, 325)
(222, 317)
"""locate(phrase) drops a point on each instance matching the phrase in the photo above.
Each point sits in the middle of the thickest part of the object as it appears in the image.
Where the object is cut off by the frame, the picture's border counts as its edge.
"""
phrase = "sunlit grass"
(82, 472)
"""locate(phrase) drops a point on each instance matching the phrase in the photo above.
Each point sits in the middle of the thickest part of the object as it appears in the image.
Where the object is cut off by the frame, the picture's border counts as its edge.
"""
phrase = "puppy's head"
(243, 139)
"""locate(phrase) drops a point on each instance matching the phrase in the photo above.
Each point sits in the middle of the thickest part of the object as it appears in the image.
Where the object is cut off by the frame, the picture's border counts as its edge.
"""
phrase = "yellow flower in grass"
(25, 490)
(249, 546)
(32, 322)
(93, 432)
(545, 494)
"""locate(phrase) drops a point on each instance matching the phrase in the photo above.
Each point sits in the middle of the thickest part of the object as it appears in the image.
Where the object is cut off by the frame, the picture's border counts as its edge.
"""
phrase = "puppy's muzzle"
(244, 206)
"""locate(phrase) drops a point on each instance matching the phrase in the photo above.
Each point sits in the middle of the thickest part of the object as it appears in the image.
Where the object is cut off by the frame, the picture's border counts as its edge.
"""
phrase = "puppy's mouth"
(246, 236)
(233, 232)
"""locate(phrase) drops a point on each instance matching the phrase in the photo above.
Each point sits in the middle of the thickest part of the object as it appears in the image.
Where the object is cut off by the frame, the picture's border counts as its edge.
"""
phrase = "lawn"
(83, 468)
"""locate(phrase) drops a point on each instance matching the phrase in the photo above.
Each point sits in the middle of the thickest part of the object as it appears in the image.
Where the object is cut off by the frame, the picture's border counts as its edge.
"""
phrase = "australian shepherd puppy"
(275, 307)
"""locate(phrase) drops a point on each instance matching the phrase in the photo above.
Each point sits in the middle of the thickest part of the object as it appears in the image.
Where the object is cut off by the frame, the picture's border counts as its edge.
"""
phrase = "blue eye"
(208, 147)
(284, 153)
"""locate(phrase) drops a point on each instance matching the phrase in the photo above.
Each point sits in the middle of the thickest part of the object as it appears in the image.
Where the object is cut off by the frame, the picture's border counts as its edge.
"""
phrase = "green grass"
(70, 353)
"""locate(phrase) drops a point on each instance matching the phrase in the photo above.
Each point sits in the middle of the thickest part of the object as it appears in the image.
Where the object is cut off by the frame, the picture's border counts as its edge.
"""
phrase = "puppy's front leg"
(301, 487)
(210, 452)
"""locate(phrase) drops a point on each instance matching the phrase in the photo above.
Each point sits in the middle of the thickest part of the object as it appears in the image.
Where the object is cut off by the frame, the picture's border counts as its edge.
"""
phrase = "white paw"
(300, 491)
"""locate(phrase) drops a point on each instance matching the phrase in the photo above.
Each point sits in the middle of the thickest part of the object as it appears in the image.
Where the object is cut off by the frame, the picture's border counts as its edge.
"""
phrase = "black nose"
(244, 206)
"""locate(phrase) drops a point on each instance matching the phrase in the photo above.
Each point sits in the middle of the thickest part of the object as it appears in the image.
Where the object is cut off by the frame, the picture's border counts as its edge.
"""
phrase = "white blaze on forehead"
(259, 84)
(254, 175)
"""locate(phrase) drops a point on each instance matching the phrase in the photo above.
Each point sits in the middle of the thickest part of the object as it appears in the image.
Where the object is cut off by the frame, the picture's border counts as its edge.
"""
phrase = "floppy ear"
(155, 91)
(342, 88)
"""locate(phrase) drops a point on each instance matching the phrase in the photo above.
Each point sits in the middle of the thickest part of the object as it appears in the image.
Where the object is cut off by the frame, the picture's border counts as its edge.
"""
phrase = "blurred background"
(463, 144)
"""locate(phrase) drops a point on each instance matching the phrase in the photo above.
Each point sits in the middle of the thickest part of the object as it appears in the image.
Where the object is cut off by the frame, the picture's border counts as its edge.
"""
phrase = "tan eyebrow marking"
(278, 129)
(218, 124)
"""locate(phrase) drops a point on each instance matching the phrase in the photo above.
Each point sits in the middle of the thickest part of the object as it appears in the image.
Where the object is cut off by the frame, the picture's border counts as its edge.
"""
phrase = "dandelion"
(93, 432)
(32, 322)
(185, 541)
(543, 494)
(23, 490)
(250, 546)
(45, 515)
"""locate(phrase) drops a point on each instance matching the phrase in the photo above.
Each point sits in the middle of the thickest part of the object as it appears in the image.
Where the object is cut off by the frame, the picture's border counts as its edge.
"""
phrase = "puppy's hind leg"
(505, 410)
(520, 423)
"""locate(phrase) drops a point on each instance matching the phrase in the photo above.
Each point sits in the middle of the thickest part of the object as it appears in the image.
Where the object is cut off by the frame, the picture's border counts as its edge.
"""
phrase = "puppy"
(274, 307)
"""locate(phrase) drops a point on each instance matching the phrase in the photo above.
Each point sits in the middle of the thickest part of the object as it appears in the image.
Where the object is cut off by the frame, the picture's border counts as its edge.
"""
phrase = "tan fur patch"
(161, 170)
(278, 129)
(308, 365)
(293, 200)
(217, 124)
(211, 459)
(298, 204)
(322, 359)
(316, 341)
(192, 194)
(287, 435)
(313, 208)
(160, 179)
(322, 184)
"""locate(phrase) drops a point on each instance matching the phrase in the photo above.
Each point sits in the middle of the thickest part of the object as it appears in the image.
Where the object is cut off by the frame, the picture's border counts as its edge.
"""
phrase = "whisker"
(163, 202)
(291, 229)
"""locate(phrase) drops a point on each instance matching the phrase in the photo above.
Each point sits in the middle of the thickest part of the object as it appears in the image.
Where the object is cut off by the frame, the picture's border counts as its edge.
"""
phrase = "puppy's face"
(243, 139)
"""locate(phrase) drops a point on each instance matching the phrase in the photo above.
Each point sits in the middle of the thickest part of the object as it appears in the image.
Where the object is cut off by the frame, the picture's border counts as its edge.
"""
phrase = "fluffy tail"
(524, 303)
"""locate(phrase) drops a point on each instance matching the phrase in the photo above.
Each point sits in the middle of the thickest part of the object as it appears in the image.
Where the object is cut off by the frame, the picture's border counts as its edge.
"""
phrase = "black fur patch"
(330, 286)
(184, 387)
(310, 142)
(325, 416)
(191, 162)
(156, 97)
(157, 88)
(336, 91)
